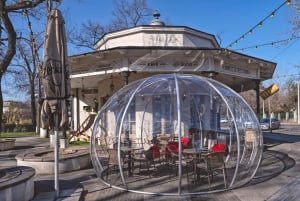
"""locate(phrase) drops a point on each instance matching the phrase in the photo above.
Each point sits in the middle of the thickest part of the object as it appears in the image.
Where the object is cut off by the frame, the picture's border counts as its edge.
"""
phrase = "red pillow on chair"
(156, 151)
(185, 142)
(171, 146)
(219, 148)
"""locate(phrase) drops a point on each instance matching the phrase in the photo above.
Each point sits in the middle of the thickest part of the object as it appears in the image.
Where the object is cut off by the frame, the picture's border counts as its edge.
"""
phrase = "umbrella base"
(51, 137)
(43, 133)
(63, 143)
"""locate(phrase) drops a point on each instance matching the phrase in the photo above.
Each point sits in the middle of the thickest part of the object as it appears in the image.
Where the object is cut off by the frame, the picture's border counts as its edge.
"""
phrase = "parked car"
(248, 124)
(265, 124)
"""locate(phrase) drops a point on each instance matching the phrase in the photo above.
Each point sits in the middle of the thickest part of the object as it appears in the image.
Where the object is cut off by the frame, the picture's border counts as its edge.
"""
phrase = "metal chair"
(247, 155)
(147, 156)
(103, 145)
(113, 159)
(212, 162)
(186, 162)
(172, 151)
(156, 152)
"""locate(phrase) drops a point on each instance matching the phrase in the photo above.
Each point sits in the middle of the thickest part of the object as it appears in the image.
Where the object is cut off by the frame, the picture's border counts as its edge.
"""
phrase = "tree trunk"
(11, 50)
(33, 102)
(1, 105)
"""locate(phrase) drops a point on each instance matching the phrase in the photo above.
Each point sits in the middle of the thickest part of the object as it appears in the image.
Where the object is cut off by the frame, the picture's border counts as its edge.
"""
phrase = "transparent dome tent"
(160, 135)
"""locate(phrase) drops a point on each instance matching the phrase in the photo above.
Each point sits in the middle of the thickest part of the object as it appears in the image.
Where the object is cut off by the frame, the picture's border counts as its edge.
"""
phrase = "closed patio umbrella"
(55, 79)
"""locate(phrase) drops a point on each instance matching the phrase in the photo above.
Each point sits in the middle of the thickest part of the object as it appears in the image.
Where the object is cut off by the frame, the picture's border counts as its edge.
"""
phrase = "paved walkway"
(277, 177)
(290, 191)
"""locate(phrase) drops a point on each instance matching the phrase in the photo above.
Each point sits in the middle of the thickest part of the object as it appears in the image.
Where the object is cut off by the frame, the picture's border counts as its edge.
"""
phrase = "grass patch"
(79, 143)
(17, 135)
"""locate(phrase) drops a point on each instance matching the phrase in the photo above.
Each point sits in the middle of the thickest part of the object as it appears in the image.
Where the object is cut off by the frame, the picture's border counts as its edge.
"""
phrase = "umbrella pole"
(56, 160)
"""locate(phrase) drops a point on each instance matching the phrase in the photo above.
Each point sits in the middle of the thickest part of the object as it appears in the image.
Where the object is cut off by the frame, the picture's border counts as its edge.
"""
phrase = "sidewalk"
(274, 179)
(280, 164)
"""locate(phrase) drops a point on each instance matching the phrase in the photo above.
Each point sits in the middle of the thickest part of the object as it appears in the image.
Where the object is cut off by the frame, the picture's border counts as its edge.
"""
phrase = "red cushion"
(219, 148)
(171, 146)
(156, 151)
(185, 141)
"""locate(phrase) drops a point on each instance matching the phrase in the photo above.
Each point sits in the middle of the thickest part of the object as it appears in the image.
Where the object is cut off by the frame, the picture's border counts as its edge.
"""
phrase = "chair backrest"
(102, 142)
(171, 149)
(113, 156)
(173, 145)
(111, 141)
(215, 160)
(155, 151)
(149, 154)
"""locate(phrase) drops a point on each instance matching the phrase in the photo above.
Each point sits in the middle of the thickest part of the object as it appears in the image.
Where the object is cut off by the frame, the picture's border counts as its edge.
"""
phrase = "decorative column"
(126, 75)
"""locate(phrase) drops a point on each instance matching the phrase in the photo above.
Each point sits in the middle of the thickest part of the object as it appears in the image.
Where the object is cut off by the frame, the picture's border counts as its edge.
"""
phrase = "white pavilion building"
(124, 56)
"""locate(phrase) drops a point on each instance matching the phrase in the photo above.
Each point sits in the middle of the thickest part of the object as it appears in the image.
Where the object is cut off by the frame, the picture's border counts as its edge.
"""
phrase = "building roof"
(167, 49)
(164, 36)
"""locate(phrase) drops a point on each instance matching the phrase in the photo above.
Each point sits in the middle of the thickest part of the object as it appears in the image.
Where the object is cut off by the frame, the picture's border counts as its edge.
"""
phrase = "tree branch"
(11, 49)
(23, 5)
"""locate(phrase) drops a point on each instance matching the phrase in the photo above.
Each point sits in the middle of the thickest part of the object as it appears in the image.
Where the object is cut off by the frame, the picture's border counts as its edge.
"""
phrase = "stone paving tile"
(290, 191)
(98, 191)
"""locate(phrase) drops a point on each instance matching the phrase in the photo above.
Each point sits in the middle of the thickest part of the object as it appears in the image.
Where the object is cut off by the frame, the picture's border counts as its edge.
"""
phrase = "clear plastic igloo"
(176, 134)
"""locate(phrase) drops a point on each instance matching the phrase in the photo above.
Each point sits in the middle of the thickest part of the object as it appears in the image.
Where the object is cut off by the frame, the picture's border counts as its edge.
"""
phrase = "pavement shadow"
(15, 151)
(276, 137)
(41, 186)
(273, 163)
(23, 147)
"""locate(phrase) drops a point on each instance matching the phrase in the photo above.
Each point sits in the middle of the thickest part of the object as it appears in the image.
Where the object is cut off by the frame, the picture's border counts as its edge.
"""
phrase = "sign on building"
(269, 91)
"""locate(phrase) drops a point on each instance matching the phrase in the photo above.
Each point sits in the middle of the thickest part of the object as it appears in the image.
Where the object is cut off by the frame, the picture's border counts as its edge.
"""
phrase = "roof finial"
(156, 14)
(156, 21)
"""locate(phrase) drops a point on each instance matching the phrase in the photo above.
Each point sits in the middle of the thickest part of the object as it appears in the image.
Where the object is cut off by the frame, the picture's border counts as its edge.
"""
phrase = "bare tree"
(8, 35)
(295, 17)
(89, 34)
(250, 98)
(24, 70)
(290, 92)
(126, 14)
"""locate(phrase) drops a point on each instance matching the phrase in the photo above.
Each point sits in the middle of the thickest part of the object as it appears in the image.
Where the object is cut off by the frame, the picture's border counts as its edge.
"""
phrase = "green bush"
(17, 135)
(8, 128)
(28, 128)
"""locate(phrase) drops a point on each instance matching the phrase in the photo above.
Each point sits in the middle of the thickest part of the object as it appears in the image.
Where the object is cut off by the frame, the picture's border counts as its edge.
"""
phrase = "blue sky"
(229, 19)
